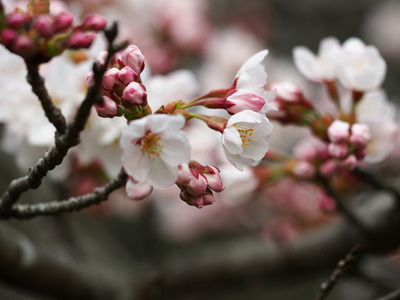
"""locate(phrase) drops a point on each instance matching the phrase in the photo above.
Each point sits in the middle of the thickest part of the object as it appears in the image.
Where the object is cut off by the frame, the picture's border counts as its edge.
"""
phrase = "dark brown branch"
(26, 211)
(63, 143)
(392, 296)
(341, 268)
(53, 113)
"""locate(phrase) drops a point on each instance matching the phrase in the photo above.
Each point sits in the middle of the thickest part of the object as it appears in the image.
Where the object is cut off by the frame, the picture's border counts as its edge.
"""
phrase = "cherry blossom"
(321, 67)
(361, 67)
(153, 148)
(245, 138)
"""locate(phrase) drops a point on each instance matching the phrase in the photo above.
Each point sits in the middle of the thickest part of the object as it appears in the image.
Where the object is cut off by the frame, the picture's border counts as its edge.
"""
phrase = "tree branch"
(63, 143)
(53, 113)
(26, 211)
(341, 268)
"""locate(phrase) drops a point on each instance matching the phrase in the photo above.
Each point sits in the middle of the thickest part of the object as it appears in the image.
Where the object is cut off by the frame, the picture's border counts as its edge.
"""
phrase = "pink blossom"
(127, 75)
(62, 21)
(110, 79)
(338, 131)
(134, 94)
(79, 40)
(360, 135)
(133, 57)
(214, 181)
(338, 150)
(304, 169)
(44, 26)
(108, 109)
(138, 190)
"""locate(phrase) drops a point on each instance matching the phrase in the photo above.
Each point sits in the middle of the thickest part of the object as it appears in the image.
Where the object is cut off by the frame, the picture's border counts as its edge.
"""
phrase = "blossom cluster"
(38, 35)
(353, 134)
(156, 151)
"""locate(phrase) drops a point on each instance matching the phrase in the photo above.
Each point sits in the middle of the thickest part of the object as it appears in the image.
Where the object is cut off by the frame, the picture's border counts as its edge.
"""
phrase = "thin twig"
(26, 211)
(341, 268)
(395, 295)
(63, 143)
(53, 113)
(349, 215)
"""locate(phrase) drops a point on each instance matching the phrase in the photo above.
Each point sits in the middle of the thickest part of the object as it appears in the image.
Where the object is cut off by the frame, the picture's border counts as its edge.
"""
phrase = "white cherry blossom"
(153, 148)
(245, 138)
(321, 67)
(361, 67)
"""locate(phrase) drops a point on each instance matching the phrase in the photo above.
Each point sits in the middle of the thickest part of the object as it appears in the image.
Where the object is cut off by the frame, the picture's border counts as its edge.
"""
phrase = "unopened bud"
(303, 169)
(127, 75)
(94, 22)
(338, 150)
(44, 26)
(214, 181)
(134, 94)
(15, 19)
(328, 168)
(133, 57)
(108, 109)
(110, 79)
(24, 46)
(79, 40)
(8, 36)
(62, 21)
(338, 131)
(360, 135)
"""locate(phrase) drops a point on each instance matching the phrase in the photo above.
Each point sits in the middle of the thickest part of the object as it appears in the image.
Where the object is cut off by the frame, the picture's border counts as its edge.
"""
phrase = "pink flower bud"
(197, 186)
(127, 75)
(214, 181)
(133, 57)
(62, 21)
(134, 94)
(303, 169)
(44, 26)
(24, 46)
(244, 100)
(15, 19)
(328, 168)
(338, 131)
(138, 190)
(8, 36)
(184, 175)
(350, 162)
(360, 135)
(108, 109)
(338, 150)
(79, 40)
(110, 79)
(288, 91)
(94, 22)
(208, 198)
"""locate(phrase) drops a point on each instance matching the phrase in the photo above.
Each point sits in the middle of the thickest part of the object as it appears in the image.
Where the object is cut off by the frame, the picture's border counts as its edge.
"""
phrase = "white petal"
(306, 63)
(234, 160)
(252, 62)
(231, 140)
(138, 190)
(176, 150)
(245, 116)
(135, 163)
(167, 125)
(161, 174)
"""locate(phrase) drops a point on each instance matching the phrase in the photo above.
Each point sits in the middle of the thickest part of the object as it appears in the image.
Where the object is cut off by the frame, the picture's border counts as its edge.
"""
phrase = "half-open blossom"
(361, 67)
(321, 67)
(250, 81)
(153, 148)
(245, 138)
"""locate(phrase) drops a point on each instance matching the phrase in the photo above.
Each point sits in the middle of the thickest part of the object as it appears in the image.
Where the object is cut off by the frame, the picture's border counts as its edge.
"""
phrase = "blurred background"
(135, 246)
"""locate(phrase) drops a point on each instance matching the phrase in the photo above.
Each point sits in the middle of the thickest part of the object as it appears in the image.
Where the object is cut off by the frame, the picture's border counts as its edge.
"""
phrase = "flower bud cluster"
(197, 183)
(122, 90)
(344, 150)
(37, 36)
